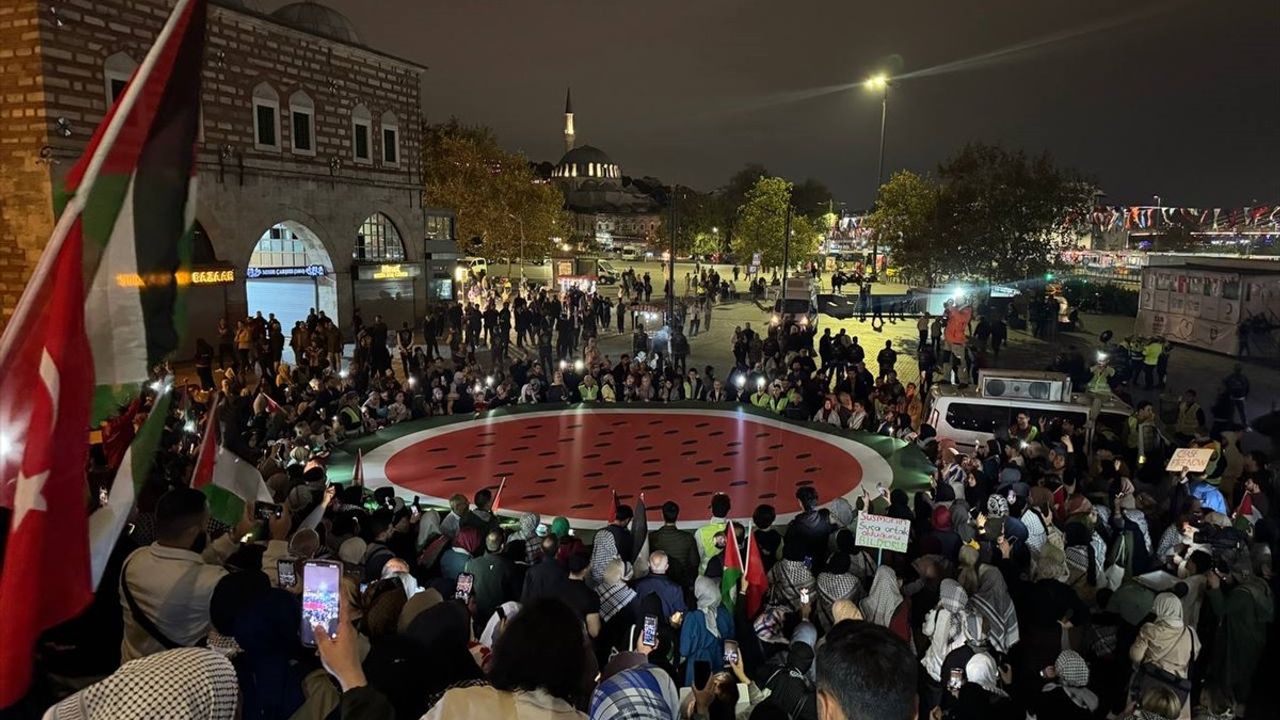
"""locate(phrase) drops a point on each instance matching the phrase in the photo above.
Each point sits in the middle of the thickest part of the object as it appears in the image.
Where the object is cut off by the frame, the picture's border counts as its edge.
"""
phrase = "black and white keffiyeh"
(613, 598)
(181, 684)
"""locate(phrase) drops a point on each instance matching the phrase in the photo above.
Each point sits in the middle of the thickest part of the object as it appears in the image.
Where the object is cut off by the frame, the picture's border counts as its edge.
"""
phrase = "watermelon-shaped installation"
(569, 462)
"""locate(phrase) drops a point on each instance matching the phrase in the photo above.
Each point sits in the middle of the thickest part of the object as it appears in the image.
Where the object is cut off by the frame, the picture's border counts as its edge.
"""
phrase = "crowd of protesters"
(1048, 573)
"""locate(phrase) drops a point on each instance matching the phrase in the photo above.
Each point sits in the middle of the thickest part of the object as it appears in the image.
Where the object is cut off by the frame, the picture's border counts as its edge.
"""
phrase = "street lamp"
(879, 82)
(520, 221)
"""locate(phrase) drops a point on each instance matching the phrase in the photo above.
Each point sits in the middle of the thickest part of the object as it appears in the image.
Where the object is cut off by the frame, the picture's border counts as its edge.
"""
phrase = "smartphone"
(955, 680)
(804, 596)
(321, 595)
(730, 652)
(267, 511)
(649, 636)
(701, 673)
(465, 582)
(808, 562)
(285, 571)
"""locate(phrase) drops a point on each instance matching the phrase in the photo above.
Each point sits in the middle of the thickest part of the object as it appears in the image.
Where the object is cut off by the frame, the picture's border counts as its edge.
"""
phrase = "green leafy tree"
(494, 193)
(699, 220)
(761, 225)
(907, 222)
(1003, 212)
(811, 198)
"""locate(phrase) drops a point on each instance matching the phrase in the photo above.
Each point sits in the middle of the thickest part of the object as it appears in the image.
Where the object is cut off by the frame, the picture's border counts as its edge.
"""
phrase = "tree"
(494, 193)
(907, 222)
(761, 222)
(1004, 214)
(699, 221)
(811, 198)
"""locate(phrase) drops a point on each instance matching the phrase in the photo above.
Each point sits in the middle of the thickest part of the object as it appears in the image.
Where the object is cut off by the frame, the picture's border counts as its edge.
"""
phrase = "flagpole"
(746, 562)
(75, 204)
(208, 427)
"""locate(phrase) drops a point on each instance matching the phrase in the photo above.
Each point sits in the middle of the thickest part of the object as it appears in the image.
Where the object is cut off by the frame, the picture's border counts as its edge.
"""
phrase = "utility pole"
(875, 238)
(671, 265)
(786, 249)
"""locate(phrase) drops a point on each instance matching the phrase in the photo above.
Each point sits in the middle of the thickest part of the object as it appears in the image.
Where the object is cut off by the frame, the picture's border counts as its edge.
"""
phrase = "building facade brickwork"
(59, 58)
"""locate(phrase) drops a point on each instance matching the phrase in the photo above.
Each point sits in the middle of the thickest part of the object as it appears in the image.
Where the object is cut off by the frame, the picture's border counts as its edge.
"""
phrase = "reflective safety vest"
(761, 400)
(589, 392)
(1188, 422)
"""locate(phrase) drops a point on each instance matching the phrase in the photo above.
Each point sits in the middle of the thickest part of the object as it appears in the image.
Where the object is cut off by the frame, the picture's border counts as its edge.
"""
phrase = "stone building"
(309, 183)
(609, 212)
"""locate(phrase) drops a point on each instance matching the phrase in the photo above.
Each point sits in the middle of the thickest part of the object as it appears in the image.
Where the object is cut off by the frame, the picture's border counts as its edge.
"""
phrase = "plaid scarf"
(613, 598)
(639, 693)
(181, 683)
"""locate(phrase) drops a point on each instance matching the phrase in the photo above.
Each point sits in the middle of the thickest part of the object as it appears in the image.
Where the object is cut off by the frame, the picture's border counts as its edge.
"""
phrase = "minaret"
(568, 119)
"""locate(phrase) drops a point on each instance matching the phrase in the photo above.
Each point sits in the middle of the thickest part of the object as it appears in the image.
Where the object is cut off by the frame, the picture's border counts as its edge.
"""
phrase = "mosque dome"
(587, 162)
(318, 19)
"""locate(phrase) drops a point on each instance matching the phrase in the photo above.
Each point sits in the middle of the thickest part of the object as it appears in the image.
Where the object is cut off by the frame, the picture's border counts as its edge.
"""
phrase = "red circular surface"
(568, 464)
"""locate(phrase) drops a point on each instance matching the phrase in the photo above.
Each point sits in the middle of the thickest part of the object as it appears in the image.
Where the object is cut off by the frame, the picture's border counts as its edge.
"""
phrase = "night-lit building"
(309, 182)
(608, 211)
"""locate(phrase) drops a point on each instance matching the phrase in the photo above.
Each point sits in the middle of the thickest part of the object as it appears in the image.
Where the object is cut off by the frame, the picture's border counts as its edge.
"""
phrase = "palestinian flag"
(734, 571)
(134, 190)
(228, 480)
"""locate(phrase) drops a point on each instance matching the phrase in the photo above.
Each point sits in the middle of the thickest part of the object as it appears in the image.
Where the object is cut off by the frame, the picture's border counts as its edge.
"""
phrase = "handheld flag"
(497, 496)
(124, 223)
(733, 570)
(229, 481)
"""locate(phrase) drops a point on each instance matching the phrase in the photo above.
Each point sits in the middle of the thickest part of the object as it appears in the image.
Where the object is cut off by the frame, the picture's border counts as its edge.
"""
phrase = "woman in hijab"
(841, 513)
(417, 667)
(836, 582)
(1066, 696)
(465, 543)
(1163, 651)
(181, 684)
(961, 523)
(560, 527)
(944, 625)
(989, 596)
(528, 532)
(1084, 561)
(638, 693)
(702, 632)
(618, 603)
(789, 688)
(942, 533)
(980, 696)
(884, 605)
(789, 577)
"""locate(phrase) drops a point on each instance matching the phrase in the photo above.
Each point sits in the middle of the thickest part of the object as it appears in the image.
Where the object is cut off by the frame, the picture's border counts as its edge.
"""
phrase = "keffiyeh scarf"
(613, 598)
(181, 684)
(883, 600)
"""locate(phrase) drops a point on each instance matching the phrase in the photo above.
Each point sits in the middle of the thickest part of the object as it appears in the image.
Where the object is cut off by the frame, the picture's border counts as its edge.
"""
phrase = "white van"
(973, 414)
(799, 300)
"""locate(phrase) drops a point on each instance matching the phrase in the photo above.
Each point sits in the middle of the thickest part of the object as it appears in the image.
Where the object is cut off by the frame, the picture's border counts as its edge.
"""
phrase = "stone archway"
(289, 273)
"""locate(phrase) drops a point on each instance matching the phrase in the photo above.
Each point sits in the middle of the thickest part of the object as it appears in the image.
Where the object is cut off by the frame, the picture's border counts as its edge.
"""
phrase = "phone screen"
(804, 595)
(463, 591)
(285, 571)
(701, 673)
(730, 652)
(650, 635)
(267, 511)
(956, 679)
(321, 593)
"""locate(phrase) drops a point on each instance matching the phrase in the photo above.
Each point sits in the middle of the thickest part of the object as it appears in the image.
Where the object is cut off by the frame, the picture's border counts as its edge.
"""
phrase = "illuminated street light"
(879, 81)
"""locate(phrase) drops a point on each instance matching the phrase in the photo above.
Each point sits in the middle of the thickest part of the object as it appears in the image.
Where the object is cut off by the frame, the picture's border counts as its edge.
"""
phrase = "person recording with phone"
(165, 588)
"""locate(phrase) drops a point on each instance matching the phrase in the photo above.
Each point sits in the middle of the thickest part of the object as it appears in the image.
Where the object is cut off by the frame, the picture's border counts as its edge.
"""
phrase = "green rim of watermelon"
(910, 468)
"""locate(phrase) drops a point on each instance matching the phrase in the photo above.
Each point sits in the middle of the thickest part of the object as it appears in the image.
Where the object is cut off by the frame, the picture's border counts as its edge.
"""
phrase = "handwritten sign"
(1193, 459)
(884, 533)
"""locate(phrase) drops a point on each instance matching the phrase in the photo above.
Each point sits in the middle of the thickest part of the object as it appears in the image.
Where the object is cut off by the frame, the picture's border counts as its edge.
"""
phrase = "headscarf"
(707, 593)
(981, 669)
(1082, 556)
(417, 605)
(510, 609)
(1168, 610)
(383, 602)
(1052, 564)
(560, 527)
(639, 693)
(997, 506)
(953, 598)
(428, 527)
(789, 687)
(352, 551)
(181, 684)
(841, 512)
(941, 518)
(883, 600)
(961, 522)
(1073, 676)
(528, 529)
(992, 600)
(468, 538)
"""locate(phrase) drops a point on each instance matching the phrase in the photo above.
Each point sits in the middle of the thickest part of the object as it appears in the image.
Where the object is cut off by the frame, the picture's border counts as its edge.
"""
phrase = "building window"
(377, 240)
(266, 114)
(302, 113)
(116, 71)
(439, 227)
(390, 139)
(280, 247)
(361, 131)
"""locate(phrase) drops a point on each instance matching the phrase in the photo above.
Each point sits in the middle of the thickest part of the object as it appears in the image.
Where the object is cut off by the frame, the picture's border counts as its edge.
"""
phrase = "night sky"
(1179, 98)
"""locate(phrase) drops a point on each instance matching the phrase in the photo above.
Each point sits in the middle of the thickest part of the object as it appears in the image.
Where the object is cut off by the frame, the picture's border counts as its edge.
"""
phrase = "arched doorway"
(383, 279)
(289, 273)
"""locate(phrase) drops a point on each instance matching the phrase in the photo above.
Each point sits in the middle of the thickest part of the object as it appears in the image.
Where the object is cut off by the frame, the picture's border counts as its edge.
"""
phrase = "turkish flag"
(46, 383)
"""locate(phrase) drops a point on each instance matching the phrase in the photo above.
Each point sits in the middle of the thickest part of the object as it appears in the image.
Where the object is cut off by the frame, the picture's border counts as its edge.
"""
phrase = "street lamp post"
(671, 265)
(879, 81)
(520, 222)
